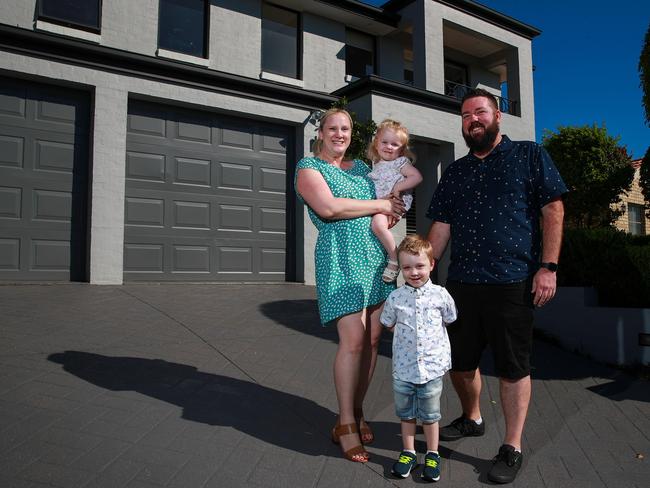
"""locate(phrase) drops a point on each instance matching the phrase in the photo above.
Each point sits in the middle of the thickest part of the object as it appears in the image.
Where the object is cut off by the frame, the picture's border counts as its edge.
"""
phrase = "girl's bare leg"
(385, 236)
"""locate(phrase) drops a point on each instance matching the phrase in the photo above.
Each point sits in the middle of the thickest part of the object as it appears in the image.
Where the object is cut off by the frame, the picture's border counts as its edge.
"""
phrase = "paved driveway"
(230, 386)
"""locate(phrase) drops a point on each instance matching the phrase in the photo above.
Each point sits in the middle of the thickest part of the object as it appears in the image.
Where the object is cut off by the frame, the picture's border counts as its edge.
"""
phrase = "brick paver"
(230, 386)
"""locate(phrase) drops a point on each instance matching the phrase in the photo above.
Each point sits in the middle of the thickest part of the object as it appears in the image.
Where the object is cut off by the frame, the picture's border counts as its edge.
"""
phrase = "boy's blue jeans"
(420, 402)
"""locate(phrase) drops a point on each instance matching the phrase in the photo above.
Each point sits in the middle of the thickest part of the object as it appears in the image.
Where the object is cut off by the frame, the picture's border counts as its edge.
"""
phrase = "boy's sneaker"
(403, 466)
(462, 427)
(506, 465)
(431, 470)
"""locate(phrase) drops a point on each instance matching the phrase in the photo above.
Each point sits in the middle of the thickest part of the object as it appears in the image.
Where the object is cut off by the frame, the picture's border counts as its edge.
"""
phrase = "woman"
(349, 263)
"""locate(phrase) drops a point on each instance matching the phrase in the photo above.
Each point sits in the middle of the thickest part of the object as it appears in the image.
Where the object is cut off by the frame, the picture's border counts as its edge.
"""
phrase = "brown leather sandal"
(340, 430)
(367, 436)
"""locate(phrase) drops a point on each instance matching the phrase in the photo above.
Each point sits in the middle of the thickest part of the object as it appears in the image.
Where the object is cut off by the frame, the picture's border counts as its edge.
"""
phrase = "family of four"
(501, 208)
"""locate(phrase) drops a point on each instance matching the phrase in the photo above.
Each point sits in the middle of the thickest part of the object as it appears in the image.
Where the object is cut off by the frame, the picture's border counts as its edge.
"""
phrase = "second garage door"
(205, 197)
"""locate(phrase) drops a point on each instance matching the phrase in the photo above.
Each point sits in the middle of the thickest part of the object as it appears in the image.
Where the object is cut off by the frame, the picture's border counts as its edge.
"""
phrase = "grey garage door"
(43, 182)
(205, 197)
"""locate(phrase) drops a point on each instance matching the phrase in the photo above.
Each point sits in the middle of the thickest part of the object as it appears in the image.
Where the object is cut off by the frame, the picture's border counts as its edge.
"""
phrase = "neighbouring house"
(156, 140)
(634, 219)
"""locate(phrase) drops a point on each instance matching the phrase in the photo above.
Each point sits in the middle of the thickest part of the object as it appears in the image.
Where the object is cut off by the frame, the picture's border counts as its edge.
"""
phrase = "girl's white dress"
(385, 174)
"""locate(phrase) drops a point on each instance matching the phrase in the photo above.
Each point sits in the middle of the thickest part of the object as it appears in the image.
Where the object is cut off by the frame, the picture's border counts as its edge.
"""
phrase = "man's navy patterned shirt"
(494, 206)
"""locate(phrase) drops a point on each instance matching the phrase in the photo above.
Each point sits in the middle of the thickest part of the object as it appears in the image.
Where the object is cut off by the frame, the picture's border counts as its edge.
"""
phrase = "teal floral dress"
(349, 257)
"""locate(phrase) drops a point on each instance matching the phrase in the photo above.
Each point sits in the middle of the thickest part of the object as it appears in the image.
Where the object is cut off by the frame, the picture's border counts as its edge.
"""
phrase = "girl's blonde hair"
(318, 144)
(400, 130)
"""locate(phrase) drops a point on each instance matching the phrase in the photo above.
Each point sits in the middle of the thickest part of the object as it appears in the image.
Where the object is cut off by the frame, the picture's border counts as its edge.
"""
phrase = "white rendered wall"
(107, 185)
(323, 46)
(525, 125)
(236, 37)
(19, 13)
(130, 26)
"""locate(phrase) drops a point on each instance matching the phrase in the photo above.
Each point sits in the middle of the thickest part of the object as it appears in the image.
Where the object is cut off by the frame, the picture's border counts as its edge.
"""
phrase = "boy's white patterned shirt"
(421, 350)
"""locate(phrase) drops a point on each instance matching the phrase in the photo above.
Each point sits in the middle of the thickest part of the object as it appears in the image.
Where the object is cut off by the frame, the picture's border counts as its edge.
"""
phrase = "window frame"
(206, 32)
(375, 57)
(299, 41)
(461, 67)
(639, 211)
(40, 15)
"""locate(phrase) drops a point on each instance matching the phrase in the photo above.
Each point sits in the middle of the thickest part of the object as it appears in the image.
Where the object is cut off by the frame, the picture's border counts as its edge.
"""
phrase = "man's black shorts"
(498, 315)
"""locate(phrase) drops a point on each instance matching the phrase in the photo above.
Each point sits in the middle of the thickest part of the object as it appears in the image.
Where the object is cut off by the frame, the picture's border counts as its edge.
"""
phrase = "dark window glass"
(279, 41)
(636, 219)
(75, 13)
(455, 80)
(182, 26)
(359, 54)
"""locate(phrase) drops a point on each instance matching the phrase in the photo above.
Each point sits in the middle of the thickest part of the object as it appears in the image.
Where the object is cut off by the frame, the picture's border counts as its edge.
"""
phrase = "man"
(493, 203)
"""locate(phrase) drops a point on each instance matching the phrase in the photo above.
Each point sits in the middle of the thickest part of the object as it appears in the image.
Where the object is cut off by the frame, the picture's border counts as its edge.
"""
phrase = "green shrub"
(615, 263)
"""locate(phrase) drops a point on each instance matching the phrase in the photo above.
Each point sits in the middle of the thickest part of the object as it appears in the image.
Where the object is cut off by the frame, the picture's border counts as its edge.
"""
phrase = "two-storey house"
(156, 139)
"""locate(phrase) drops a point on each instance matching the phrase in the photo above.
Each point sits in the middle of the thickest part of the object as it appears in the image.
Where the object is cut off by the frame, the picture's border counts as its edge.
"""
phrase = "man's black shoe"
(462, 427)
(506, 465)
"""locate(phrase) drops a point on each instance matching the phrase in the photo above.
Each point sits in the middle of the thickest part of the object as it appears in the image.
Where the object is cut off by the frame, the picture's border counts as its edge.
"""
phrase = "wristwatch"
(550, 266)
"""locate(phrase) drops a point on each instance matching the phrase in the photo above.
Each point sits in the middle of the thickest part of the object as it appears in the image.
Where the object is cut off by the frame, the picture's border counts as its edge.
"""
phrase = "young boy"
(418, 313)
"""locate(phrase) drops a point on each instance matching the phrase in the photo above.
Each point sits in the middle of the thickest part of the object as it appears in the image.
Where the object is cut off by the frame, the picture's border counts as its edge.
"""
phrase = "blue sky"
(585, 63)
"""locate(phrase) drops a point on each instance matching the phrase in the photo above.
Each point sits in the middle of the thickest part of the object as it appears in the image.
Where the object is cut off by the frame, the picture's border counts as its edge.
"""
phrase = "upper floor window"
(82, 14)
(183, 26)
(636, 219)
(359, 53)
(280, 41)
(456, 79)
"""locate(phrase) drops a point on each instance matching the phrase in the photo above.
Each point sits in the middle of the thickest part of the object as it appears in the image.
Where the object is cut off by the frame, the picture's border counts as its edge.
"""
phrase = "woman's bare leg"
(369, 356)
(347, 366)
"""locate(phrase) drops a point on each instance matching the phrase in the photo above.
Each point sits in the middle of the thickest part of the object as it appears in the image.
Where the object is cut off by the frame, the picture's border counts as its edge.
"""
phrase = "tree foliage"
(595, 169)
(644, 74)
(362, 133)
(644, 181)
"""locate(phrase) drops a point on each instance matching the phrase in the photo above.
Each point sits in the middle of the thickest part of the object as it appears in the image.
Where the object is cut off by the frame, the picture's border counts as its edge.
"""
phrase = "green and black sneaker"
(404, 464)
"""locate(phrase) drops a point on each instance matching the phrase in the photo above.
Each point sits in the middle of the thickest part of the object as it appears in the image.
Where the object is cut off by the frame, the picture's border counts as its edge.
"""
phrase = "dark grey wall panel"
(44, 149)
(193, 259)
(145, 166)
(273, 180)
(50, 255)
(235, 176)
(10, 254)
(192, 214)
(10, 202)
(193, 171)
(11, 151)
(145, 211)
(145, 258)
(52, 205)
(220, 190)
(55, 156)
(272, 260)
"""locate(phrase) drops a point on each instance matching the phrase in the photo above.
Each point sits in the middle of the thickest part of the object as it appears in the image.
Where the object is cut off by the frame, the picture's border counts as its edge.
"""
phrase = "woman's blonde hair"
(318, 144)
(400, 130)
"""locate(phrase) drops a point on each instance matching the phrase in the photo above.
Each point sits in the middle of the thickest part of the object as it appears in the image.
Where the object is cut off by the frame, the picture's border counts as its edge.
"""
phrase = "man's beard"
(484, 142)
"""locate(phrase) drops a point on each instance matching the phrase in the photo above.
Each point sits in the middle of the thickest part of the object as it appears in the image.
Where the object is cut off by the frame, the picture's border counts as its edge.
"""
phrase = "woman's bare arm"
(314, 190)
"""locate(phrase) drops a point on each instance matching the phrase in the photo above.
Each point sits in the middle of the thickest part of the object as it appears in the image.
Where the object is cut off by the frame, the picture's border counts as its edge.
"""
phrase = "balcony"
(458, 91)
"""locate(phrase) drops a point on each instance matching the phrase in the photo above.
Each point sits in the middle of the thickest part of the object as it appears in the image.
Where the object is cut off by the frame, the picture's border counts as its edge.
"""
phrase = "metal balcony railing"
(457, 90)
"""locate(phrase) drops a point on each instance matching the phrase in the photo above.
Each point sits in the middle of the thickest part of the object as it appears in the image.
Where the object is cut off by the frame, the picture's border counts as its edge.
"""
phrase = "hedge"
(615, 263)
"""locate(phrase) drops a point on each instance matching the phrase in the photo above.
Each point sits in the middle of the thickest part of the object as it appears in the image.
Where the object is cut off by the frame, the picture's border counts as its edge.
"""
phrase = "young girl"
(392, 173)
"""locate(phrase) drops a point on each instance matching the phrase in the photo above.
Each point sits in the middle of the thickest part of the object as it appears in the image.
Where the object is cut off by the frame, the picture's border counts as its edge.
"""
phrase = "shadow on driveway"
(549, 362)
(275, 417)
